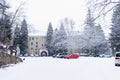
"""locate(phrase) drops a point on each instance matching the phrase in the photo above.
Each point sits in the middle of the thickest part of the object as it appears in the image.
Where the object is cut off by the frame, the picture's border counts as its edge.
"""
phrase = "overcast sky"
(40, 12)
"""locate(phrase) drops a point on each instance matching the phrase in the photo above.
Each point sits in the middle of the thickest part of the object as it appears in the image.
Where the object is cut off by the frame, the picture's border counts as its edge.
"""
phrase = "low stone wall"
(6, 59)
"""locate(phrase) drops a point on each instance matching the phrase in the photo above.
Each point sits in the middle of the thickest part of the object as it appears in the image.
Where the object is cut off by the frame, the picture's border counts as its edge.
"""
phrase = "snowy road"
(48, 68)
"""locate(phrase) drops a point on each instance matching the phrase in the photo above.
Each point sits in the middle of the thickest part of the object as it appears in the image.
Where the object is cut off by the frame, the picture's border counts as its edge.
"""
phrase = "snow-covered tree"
(55, 40)
(69, 26)
(7, 21)
(16, 37)
(24, 38)
(72, 36)
(115, 29)
(93, 37)
(102, 7)
(100, 43)
(89, 31)
(8, 29)
(48, 43)
(62, 39)
(5, 30)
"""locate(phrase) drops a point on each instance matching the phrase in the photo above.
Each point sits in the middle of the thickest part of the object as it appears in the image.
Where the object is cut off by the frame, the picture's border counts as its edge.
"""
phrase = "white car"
(117, 59)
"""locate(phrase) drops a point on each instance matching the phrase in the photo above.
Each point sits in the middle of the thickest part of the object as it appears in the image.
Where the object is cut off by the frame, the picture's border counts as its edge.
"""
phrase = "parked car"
(54, 55)
(84, 54)
(95, 55)
(61, 55)
(117, 59)
(106, 55)
(72, 56)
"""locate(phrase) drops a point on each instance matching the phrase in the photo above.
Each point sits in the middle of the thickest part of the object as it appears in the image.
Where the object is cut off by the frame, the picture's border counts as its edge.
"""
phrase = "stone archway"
(43, 52)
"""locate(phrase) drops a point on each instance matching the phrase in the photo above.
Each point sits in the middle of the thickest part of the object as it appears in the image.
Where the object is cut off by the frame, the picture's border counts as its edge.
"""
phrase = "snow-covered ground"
(48, 68)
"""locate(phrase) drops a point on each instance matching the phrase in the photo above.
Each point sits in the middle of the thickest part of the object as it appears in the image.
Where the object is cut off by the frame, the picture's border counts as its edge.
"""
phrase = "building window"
(36, 38)
(32, 38)
(31, 43)
(36, 42)
(36, 45)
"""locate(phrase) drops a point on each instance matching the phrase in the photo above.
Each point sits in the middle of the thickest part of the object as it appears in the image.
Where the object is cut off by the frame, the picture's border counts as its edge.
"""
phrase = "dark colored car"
(72, 56)
(54, 55)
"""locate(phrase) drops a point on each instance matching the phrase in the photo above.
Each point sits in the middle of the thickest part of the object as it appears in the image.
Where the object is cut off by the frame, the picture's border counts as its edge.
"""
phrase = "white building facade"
(36, 44)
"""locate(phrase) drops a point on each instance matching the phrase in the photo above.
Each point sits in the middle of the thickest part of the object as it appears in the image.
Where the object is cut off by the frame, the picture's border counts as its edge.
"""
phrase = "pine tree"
(24, 38)
(62, 38)
(100, 43)
(5, 29)
(94, 39)
(115, 29)
(55, 40)
(16, 39)
(48, 43)
(8, 29)
(88, 32)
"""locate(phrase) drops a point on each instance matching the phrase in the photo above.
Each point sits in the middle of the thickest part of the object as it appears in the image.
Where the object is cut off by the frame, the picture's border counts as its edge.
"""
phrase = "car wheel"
(116, 65)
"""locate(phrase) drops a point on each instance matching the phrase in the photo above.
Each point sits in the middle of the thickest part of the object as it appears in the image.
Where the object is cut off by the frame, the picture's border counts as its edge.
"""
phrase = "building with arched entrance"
(36, 45)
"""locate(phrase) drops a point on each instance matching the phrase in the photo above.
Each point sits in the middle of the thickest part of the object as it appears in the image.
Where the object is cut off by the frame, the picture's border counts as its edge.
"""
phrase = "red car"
(72, 56)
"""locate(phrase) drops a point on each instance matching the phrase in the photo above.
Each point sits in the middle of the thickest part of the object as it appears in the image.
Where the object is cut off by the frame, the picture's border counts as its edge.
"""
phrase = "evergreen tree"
(48, 43)
(100, 43)
(24, 38)
(62, 40)
(8, 29)
(94, 39)
(115, 29)
(5, 29)
(55, 40)
(89, 32)
(7, 21)
(16, 39)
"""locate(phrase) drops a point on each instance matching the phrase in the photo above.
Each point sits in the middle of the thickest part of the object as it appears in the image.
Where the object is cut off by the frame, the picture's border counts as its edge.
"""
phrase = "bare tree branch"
(105, 13)
(15, 14)
(103, 7)
(1, 6)
(4, 15)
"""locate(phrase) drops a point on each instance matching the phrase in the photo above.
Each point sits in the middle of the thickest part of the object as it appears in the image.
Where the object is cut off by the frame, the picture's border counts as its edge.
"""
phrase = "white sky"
(40, 12)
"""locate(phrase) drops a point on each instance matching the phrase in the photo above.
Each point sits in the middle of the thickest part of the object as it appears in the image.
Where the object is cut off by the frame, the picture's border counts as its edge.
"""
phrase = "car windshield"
(64, 53)
(118, 55)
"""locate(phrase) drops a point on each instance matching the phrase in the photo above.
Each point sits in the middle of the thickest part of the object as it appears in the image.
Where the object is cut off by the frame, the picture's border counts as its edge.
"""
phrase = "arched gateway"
(43, 52)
